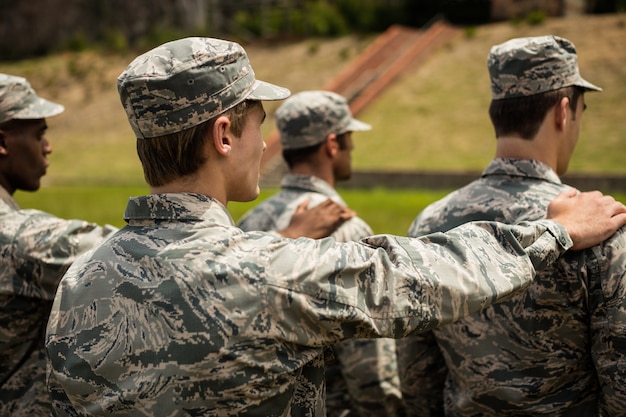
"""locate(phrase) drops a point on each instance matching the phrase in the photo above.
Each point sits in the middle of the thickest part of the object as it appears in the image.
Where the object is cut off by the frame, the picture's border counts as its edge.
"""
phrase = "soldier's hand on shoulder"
(317, 222)
(588, 217)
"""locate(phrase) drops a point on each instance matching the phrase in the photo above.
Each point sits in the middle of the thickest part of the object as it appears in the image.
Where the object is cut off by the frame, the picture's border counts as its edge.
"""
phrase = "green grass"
(390, 211)
(386, 211)
(99, 204)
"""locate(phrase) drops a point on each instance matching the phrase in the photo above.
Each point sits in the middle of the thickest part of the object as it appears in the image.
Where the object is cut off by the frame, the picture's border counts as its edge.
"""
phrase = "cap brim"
(587, 85)
(266, 91)
(357, 126)
(40, 109)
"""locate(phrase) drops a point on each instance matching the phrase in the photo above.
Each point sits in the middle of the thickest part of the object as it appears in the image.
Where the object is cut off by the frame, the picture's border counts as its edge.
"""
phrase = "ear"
(331, 145)
(222, 138)
(560, 113)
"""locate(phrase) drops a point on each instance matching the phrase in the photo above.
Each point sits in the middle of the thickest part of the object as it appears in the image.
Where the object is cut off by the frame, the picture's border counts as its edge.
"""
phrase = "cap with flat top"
(18, 100)
(527, 66)
(183, 83)
(307, 118)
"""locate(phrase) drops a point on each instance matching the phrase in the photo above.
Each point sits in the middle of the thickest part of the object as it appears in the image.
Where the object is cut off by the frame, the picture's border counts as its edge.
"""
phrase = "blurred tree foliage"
(37, 27)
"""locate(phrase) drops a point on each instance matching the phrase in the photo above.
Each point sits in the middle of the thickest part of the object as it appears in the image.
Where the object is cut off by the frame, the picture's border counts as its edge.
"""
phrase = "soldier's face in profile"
(246, 158)
(25, 148)
(343, 163)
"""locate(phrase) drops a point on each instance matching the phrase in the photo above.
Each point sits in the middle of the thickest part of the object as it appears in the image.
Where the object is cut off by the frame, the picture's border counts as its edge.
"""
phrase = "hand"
(318, 222)
(589, 217)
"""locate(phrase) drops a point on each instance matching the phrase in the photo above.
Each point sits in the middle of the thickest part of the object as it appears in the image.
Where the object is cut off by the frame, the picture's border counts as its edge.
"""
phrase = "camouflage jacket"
(275, 212)
(364, 375)
(36, 248)
(182, 313)
(557, 349)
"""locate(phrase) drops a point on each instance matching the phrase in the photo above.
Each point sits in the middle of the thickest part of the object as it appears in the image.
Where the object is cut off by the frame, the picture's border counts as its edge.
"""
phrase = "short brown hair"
(165, 158)
(523, 115)
(296, 156)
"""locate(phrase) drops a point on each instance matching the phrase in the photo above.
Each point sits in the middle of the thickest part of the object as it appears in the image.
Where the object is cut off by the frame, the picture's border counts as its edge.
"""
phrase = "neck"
(198, 183)
(320, 171)
(538, 148)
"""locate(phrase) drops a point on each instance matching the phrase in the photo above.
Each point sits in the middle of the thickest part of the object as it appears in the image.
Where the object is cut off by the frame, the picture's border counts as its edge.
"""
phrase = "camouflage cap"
(183, 83)
(18, 100)
(307, 118)
(527, 66)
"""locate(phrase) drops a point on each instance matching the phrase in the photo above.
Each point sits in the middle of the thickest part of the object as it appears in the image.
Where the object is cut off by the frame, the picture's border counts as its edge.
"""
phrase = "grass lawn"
(387, 211)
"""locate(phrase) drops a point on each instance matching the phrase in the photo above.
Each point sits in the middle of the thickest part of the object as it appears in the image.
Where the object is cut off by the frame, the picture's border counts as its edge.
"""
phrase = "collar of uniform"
(310, 183)
(6, 198)
(526, 168)
(178, 206)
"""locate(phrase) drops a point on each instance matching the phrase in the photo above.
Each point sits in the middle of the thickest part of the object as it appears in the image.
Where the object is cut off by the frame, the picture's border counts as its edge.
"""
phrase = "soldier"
(316, 137)
(37, 248)
(182, 313)
(557, 349)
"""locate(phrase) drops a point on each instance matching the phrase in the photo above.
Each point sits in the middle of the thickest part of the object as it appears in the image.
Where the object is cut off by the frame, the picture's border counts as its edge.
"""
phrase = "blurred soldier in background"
(316, 136)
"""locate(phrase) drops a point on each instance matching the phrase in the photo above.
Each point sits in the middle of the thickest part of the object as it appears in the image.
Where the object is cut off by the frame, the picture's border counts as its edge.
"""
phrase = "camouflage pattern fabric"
(275, 213)
(182, 313)
(307, 118)
(364, 376)
(557, 349)
(185, 82)
(526, 66)
(18, 100)
(36, 248)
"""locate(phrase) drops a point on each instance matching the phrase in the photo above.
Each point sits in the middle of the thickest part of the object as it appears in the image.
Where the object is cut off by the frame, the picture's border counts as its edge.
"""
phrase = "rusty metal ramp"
(367, 76)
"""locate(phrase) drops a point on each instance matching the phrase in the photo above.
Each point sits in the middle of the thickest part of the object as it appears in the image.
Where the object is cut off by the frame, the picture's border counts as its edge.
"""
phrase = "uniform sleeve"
(389, 286)
(45, 246)
(607, 299)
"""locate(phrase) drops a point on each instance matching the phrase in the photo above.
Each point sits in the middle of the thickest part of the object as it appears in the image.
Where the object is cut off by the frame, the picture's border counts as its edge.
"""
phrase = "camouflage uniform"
(37, 248)
(275, 212)
(182, 313)
(361, 375)
(557, 349)
(365, 371)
